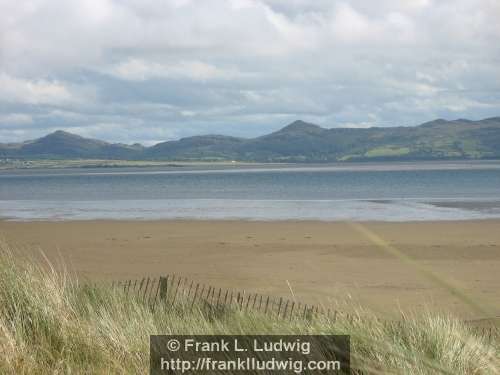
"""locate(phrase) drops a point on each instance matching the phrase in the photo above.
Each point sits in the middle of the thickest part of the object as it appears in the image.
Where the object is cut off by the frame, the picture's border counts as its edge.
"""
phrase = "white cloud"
(349, 25)
(33, 92)
(141, 70)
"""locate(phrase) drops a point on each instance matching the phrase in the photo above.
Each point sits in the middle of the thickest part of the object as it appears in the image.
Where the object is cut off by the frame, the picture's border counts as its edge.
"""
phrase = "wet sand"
(321, 262)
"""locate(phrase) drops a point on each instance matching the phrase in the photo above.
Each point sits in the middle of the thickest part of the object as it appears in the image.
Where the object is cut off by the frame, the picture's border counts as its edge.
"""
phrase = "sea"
(333, 192)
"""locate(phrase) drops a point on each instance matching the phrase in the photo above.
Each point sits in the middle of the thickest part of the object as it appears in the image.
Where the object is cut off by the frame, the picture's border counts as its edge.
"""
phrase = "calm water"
(367, 192)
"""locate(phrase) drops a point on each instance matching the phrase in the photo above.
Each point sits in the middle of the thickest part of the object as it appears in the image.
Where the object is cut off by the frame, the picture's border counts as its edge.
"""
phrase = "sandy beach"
(320, 262)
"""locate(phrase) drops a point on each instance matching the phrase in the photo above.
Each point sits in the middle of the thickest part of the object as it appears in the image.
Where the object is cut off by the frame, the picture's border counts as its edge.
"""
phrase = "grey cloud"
(153, 70)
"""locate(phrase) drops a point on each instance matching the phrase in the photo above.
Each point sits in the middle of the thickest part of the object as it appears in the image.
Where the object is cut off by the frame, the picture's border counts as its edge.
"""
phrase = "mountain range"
(297, 142)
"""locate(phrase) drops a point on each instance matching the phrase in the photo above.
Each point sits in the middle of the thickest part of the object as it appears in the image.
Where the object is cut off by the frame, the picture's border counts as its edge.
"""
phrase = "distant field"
(99, 163)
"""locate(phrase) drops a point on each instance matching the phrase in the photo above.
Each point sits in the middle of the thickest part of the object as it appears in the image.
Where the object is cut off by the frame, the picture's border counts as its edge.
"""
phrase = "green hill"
(298, 142)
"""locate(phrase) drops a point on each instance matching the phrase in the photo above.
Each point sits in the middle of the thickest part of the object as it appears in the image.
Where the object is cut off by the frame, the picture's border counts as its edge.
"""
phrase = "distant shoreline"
(248, 221)
(19, 165)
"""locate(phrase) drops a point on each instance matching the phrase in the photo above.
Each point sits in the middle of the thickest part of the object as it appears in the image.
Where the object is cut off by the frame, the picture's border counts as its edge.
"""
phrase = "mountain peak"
(436, 122)
(301, 126)
(62, 134)
(67, 140)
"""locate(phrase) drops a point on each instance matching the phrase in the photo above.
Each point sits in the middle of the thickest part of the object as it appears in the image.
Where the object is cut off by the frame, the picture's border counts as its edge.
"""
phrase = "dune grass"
(50, 323)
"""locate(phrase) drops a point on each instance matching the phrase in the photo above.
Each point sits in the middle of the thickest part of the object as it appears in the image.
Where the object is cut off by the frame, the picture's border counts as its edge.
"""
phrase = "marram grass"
(50, 323)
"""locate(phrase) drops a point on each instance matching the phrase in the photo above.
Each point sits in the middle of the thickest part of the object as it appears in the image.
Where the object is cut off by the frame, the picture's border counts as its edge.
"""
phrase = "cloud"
(349, 25)
(33, 92)
(15, 119)
(141, 70)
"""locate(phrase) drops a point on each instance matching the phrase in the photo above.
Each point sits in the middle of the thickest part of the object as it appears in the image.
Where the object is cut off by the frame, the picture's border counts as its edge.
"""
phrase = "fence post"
(163, 287)
(128, 286)
(202, 292)
(248, 302)
(141, 285)
(176, 289)
(145, 290)
(218, 297)
(195, 294)
(151, 289)
(156, 293)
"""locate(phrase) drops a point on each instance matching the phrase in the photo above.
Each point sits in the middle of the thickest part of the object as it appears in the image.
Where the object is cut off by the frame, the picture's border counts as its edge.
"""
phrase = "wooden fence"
(173, 289)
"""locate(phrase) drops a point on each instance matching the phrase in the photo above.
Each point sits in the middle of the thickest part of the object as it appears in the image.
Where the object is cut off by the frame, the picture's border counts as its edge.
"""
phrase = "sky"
(154, 70)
